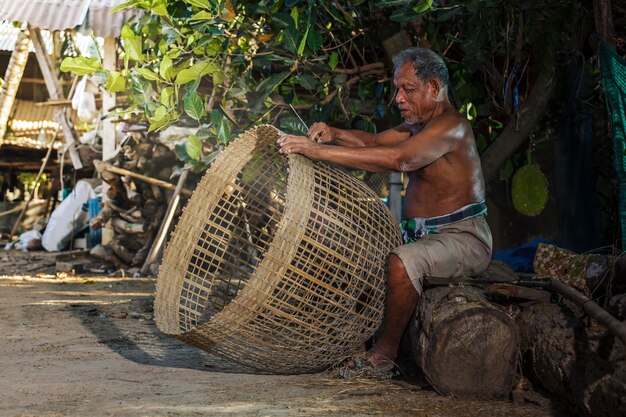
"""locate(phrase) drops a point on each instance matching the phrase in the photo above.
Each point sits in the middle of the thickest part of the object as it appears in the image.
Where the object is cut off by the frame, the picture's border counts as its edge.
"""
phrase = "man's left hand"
(297, 144)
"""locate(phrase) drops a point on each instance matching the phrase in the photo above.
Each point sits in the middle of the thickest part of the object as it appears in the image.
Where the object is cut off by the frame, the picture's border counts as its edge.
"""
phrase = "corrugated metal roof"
(67, 14)
(8, 36)
(104, 23)
(26, 123)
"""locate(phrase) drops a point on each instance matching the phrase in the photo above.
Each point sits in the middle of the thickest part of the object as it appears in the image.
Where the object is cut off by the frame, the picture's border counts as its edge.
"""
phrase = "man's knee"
(397, 275)
(395, 265)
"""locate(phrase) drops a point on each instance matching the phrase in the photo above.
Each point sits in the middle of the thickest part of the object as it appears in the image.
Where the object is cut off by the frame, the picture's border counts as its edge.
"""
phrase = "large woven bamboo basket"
(277, 262)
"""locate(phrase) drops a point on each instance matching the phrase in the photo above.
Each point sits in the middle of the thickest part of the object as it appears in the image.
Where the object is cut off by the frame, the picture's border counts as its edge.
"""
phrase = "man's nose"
(399, 97)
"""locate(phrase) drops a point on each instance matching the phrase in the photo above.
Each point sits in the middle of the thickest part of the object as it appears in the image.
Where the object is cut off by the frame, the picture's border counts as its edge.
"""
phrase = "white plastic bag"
(22, 242)
(67, 219)
(84, 101)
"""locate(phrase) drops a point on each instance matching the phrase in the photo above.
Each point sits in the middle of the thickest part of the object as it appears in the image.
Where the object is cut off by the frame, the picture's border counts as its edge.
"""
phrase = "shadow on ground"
(127, 327)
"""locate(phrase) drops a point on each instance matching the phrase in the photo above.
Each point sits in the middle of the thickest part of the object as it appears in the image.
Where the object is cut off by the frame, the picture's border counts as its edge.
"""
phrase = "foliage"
(224, 65)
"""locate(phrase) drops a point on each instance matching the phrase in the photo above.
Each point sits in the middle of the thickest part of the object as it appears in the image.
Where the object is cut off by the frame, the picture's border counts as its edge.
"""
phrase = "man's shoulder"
(452, 118)
(451, 122)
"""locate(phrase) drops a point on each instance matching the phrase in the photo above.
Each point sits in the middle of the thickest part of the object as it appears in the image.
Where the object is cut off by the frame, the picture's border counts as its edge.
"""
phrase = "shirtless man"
(444, 227)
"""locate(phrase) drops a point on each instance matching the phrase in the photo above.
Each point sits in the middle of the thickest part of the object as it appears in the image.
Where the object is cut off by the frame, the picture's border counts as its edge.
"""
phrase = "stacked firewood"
(472, 337)
(135, 204)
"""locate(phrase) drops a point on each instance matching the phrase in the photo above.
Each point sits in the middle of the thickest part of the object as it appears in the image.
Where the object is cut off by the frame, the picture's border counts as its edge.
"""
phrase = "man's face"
(413, 96)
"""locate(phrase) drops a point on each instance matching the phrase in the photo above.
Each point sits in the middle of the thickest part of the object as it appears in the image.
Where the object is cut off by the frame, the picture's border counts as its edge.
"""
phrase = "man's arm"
(322, 133)
(437, 139)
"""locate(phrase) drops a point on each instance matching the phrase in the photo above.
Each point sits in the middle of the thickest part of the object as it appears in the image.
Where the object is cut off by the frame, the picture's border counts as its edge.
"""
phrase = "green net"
(613, 70)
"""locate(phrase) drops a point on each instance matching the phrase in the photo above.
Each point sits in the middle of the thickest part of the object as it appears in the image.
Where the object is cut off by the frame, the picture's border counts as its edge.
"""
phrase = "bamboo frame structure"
(277, 262)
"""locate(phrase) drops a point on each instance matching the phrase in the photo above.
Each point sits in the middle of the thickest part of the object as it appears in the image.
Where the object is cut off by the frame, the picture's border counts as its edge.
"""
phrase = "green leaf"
(445, 15)
(282, 20)
(181, 152)
(159, 7)
(132, 43)
(469, 110)
(194, 147)
(148, 74)
(291, 39)
(191, 87)
(194, 72)
(291, 124)
(340, 79)
(333, 61)
(162, 117)
(295, 16)
(166, 97)
(214, 47)
(203, 4)
(160, 113)
(221, 126)
(201, 15)
(211, 157)
(392, 3)
(165, 68)
(404, 15)
(194, 106)
(116, 82)
(126, 5)
(307, 81)
(268, 84)
(81, 65)
(423, 6)
(219, 77)
(495, 124)
(481, 144)
(100, 77)
(303, 41)
(314, 41)
(142, 92)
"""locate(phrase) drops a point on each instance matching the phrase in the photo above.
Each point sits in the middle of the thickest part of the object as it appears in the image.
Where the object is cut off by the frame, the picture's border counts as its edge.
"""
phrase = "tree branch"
(374, 67)
(530, 112)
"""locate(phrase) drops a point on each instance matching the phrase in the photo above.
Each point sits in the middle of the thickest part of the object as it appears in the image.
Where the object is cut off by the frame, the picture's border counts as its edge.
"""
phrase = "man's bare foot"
(382, 354)
(369, 365)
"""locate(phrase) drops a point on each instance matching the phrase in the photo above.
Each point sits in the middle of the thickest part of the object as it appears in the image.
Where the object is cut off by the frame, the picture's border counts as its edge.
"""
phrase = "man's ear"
(435, 87)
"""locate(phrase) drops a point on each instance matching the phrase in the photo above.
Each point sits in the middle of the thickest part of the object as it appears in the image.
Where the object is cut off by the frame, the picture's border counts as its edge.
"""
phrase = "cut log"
(465, 345)
(585, 369)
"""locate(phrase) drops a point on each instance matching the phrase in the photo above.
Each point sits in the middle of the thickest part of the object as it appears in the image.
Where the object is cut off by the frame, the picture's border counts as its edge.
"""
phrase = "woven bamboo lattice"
(277, 262)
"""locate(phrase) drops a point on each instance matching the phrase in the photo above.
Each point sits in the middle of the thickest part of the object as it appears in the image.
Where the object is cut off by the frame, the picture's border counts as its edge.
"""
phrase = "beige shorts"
(462, 248)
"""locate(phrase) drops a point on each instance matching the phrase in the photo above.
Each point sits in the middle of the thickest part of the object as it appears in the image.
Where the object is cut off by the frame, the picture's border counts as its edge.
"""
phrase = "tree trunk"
(464, 345)
(514, 134)
(568, 360)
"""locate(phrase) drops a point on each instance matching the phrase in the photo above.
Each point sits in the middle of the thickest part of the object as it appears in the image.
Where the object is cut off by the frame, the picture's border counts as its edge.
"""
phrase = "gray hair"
(427, 63)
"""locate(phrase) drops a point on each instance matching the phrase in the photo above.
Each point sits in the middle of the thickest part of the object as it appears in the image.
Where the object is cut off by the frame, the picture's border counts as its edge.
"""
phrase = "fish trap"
(277, 262)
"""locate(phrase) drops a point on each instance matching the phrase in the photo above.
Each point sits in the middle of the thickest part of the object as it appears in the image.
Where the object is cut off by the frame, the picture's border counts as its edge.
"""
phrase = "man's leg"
(401, 301)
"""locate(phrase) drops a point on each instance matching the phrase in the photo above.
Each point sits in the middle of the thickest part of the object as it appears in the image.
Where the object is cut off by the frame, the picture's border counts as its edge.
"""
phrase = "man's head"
(421, 80)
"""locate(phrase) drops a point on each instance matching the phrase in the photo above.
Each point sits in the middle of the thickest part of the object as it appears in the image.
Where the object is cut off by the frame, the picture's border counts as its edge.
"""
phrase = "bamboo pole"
(55, 90)
(30, 197)
(155, 250)
(105, 166)
(12, 79)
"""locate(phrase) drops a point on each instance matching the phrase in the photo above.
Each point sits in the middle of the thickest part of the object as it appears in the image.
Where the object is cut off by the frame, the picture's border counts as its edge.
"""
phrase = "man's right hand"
(320, 132)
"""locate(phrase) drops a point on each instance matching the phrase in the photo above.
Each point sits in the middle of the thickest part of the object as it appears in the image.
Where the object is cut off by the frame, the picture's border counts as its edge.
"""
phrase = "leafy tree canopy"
(224, 65)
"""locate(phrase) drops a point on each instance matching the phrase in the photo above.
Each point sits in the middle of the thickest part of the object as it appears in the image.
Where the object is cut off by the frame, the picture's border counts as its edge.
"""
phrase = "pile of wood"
(482, 337)
(138, 180)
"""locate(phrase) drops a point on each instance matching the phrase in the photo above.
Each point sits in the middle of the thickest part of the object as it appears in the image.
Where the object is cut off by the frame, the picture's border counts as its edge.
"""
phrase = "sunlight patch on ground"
(74, 279)
(241, 408)
(74, 301)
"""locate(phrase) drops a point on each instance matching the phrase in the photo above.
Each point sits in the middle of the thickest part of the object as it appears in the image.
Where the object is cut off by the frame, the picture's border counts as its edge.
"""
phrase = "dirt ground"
(88, 346)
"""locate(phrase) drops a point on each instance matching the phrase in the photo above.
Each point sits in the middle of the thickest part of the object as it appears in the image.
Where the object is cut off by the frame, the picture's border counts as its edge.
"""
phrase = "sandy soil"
(88, 346)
